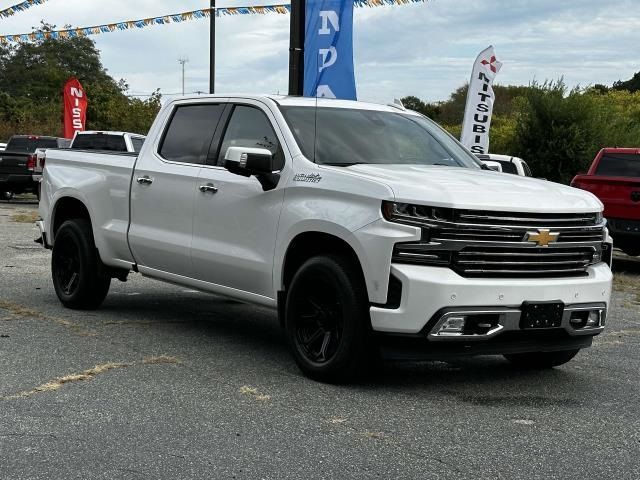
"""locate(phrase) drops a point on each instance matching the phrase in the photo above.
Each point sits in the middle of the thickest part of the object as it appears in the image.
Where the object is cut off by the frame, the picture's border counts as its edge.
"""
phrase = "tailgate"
(620, 195)
(13, 164)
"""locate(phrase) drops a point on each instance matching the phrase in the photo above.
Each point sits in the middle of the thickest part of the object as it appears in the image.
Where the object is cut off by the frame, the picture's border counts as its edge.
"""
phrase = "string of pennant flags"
(20, 7)
(165, 19)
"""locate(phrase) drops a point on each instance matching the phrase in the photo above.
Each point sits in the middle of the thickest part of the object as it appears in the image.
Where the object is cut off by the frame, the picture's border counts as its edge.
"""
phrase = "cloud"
(425, 50)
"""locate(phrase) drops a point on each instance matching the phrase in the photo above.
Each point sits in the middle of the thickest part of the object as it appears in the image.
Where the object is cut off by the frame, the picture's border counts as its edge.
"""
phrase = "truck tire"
(327, 319)
(78, 276)
(541, 360)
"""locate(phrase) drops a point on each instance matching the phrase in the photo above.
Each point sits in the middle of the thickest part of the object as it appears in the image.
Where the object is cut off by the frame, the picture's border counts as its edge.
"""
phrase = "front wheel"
(327, 319)
(78, 276)
(541, 360)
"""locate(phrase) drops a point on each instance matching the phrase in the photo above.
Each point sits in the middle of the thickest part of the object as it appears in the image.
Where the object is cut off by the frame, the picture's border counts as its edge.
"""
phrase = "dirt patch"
(25, 216)
(20, 311)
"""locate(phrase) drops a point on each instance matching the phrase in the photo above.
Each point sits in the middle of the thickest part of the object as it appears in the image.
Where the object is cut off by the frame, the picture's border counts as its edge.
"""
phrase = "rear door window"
(189, 134)
(619, 165)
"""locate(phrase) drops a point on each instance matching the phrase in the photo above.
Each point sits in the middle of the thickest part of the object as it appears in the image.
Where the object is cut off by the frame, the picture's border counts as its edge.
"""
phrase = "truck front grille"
(501, 244)
(522, 262)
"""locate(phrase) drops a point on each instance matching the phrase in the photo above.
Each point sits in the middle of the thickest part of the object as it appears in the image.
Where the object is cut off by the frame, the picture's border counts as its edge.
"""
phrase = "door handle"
(635, 196)
(144, 180)
(208, 188)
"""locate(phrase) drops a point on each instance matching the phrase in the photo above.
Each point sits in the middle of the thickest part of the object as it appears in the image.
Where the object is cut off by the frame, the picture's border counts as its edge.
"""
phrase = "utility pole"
(296, 47)
(212, 48)
(182, 61)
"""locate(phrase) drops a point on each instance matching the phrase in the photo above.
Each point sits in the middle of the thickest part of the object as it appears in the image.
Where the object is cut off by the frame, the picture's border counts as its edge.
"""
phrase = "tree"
(556, 130)
(428, 109)
(32, 76)
(632, 85)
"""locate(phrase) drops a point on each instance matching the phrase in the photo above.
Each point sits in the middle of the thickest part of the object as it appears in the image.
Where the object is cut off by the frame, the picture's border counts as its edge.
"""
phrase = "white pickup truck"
(367, 227)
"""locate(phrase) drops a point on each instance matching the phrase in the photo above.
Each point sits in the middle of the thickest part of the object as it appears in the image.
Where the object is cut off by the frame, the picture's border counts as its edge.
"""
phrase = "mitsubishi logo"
(493, 64)
(542, 237)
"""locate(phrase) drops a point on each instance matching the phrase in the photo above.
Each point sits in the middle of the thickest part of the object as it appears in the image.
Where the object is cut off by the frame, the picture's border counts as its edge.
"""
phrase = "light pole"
(182, 61)
(296, 47)
(212, 48)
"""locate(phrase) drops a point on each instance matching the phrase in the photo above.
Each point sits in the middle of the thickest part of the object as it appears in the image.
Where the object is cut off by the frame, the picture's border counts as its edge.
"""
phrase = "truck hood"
(467, 188)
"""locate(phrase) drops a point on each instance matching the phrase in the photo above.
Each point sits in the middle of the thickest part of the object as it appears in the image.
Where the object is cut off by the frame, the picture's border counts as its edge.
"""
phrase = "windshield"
(351, 136)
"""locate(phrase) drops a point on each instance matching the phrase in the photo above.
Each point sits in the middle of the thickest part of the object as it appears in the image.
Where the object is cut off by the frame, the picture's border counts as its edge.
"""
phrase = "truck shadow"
(251, 338)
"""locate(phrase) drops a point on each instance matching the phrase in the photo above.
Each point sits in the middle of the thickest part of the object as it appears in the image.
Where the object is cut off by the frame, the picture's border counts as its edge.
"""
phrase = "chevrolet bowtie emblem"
(542, 237)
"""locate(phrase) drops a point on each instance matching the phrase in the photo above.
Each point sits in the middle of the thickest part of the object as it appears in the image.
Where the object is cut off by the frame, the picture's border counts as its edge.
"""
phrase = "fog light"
(594, 318)
(453, 325)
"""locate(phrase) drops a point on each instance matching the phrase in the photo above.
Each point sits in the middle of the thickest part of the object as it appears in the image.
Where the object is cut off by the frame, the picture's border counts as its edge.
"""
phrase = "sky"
(426, 50)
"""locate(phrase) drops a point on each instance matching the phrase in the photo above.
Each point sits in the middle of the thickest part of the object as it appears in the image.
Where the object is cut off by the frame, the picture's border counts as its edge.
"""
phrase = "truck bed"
(106, 177)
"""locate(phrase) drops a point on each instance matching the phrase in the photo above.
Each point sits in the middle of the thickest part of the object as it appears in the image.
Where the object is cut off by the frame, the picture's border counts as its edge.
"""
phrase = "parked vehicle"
(367, 227)
(513, 165)
(614, 177)
(108, 141)
(18, 162)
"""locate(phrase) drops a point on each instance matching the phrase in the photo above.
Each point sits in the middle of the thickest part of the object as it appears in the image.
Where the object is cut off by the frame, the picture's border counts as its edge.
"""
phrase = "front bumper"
(429, 293)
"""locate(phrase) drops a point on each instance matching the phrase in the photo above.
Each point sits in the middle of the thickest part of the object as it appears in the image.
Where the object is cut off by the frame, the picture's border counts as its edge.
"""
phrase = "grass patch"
(626, 283)
(57, 383)
(254, 393)
(160, 359)
(25, 217)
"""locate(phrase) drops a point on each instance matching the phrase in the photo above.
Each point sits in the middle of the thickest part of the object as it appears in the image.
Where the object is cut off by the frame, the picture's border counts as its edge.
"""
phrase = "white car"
(368, 228)
(509, 164)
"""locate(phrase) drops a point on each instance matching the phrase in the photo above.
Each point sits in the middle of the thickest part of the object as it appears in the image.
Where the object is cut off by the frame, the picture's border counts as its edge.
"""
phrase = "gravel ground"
(165, 382)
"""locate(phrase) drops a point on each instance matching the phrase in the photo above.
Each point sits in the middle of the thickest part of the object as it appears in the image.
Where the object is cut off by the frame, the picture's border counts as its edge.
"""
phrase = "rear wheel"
(327, 319)
(541, 360)
(78, 275)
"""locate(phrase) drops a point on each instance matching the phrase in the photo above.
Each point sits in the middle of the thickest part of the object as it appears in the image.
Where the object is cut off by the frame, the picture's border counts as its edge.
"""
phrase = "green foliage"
(632, 85)
(31, 79)
(556, 130)
(427, 109)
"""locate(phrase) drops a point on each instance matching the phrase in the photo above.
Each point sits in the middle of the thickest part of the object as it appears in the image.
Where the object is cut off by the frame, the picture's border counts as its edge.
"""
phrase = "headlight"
(599, 218)
(419, 215)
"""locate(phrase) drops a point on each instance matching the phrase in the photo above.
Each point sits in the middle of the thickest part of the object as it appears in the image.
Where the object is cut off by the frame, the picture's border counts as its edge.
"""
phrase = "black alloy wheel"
(79, 277)
(320, 321)
(327, 319)
(66, 267)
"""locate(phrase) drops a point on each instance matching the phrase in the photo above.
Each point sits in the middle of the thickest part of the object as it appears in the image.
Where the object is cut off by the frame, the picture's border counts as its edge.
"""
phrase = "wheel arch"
(306, 245)
(67, 208)
(310, 244)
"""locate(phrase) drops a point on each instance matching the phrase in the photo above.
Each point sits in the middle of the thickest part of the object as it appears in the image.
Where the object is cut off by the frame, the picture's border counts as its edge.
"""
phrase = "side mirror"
(247, 161)
(253, 161)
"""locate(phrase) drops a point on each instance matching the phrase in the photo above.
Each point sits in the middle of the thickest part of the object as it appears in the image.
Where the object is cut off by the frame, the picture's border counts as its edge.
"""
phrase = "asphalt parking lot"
(164, 382)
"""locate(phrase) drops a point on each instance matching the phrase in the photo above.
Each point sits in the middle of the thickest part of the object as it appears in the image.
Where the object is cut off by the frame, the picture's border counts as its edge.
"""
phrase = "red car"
(614, 177)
